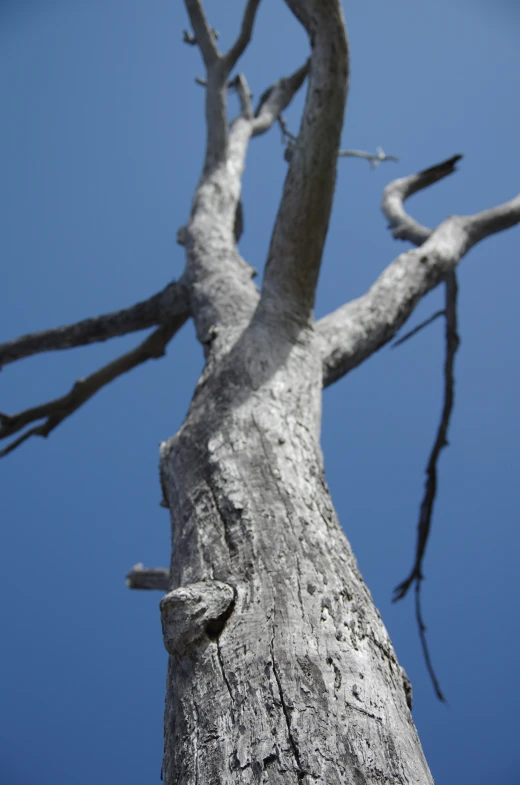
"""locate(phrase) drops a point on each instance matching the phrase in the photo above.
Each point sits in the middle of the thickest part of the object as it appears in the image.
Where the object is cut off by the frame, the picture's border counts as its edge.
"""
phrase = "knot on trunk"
(191, 612)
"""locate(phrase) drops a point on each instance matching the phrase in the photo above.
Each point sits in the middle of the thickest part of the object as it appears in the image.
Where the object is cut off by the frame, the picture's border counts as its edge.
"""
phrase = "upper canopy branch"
(374, 159)
(277, 98)
(356, 330)
(403, 226)
(301, 225)
(218, 68)
(223, 295)
(168, 304)
(204, 35)
(231, 57)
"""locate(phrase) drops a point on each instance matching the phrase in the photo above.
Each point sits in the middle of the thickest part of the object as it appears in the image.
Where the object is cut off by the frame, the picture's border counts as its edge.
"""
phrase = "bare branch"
(218, 68)
(54, 412)
(441, 441)
(239, 83)
(494, 220)
(150, 578)
(417, 329)
(403, 225)
(276, 98)
(204, 35)
(216, 220)
(379, 157)
(426, 511)
(359, 328)
(424, 643)
(171, 302)
(287, 136)
(216, 117)
(244, 37)
(374, 160)
(272, 102)
(296, 248)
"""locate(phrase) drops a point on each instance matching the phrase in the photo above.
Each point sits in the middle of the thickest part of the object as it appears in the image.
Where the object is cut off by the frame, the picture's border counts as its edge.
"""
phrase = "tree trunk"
(280, 667)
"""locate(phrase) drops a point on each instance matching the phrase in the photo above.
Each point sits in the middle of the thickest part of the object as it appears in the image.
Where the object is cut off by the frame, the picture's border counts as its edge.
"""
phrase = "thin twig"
(289, 139)
(418, 328)
(374, 159)
(424, 643)
(287, 136)
(430, 491)
(57, 410)
(426, 510)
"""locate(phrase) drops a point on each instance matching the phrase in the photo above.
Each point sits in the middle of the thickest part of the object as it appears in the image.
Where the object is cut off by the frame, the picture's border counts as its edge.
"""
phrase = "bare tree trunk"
(281, 669)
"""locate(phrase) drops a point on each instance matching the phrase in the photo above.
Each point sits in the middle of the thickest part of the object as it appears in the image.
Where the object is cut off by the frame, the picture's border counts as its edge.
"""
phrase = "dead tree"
(280, 668)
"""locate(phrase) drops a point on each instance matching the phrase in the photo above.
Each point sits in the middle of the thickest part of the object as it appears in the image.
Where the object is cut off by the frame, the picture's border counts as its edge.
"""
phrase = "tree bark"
(289, 676)
(280, 668)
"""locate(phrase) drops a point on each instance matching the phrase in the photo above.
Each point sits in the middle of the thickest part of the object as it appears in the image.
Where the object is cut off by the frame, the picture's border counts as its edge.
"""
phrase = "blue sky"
(100, 148)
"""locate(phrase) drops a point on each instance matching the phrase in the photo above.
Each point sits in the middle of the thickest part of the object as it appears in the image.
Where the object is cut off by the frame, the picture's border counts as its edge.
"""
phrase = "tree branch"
(231, 57)
(494, 220)
(204, 35)
(441, 441)
(54, 412)
(296, 248)
(426, 511)
(239, 83)
(276, 98)
(403, 226)
(150, 578)
(222, 294)
(419, 327)
(374, 160)
(171, 302)
(359, 328)
(216, 88)
(424, 644)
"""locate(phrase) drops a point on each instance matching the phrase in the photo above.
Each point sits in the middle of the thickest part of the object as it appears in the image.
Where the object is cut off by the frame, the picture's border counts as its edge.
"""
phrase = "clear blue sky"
(101, 141)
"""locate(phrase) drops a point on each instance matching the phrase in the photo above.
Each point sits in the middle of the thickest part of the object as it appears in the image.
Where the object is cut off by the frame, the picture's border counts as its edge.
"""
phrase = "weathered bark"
(295, 678)
(280, 667)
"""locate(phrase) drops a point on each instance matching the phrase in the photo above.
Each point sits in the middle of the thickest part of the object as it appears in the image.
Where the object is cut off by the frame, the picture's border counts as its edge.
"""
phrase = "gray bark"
(295, 680)
(280, 668)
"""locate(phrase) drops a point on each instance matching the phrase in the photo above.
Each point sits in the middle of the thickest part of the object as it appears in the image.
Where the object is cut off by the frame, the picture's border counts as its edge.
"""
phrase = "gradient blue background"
(101, 141)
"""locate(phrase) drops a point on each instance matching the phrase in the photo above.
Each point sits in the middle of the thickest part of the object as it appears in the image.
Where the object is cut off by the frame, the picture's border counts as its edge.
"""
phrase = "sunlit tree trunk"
(281, 669)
